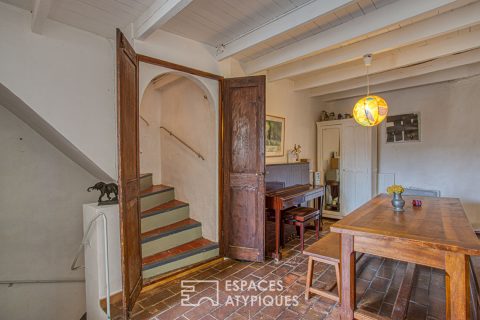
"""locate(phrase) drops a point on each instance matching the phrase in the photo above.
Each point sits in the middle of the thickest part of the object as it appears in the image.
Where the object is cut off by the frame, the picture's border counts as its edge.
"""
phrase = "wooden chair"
(326, 250)
(300, 217)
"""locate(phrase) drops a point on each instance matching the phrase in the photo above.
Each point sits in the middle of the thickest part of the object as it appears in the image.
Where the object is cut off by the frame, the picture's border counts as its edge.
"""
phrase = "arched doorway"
(178, 154)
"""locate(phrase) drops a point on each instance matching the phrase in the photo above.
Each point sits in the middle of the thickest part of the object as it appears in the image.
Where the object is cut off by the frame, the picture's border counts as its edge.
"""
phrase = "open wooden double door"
(242, 168)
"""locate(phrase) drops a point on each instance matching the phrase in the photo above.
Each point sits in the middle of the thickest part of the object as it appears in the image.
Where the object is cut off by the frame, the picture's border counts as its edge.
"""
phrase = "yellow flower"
(396, 188)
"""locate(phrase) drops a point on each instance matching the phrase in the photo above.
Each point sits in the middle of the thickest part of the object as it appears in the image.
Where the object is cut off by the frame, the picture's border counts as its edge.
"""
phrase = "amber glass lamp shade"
(370, 111)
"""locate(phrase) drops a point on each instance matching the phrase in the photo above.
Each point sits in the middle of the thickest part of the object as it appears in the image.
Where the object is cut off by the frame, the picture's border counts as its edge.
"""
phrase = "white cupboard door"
(363, 174)
(355, 158)
(347, 160)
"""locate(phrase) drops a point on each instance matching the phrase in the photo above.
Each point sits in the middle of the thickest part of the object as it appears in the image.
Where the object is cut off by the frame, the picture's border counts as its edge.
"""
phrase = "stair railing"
(183, 142)
(106, 260)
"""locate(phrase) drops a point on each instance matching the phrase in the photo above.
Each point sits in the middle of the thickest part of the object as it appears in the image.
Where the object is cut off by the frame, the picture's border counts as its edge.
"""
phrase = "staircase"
(170, 239)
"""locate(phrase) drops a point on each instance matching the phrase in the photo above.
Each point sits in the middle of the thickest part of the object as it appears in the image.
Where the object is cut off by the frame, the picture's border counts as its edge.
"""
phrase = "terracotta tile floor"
(378, 281)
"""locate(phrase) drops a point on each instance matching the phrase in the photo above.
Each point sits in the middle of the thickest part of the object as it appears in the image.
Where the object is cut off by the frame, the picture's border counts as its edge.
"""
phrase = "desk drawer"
(294, 201)
(313, 196)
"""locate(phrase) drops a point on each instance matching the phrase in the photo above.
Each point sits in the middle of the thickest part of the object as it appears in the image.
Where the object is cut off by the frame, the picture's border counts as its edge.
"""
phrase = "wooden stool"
(326, 250)
(301, 216)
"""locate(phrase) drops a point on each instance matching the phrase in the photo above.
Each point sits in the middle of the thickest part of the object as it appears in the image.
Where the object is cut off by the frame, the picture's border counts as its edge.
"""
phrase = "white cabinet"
(356, 147)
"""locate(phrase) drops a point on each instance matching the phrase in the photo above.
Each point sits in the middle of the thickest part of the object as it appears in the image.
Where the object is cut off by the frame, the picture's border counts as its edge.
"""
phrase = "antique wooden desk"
(437, 234)
(281, 199)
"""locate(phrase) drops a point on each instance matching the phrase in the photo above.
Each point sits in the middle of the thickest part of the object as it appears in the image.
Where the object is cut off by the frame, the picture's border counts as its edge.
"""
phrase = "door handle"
(259, 174)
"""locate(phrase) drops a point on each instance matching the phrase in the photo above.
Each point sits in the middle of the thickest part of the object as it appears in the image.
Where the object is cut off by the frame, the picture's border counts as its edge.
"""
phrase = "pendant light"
(370, 110)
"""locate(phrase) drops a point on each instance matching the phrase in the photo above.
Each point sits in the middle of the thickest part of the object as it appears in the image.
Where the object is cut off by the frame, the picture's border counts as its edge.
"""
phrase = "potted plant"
(397, 201)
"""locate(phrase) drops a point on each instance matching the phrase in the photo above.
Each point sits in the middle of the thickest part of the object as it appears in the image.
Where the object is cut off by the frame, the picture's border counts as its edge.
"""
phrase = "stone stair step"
(164, 207)
(155, 195)
(178, 257)
(167, 237)
(163, 215)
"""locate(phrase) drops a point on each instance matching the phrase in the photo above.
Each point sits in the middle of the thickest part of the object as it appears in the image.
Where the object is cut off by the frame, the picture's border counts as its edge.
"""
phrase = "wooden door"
(128, 171)
(244, 168)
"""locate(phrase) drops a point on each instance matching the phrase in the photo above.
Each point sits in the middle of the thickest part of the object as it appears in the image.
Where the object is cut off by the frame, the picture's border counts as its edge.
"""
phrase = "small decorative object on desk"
(397, 202)
(106, 189)
(296, 151)
(417, 203)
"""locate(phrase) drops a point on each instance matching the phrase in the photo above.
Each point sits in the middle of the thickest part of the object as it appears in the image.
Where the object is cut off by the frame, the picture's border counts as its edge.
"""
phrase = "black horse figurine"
(106, 189)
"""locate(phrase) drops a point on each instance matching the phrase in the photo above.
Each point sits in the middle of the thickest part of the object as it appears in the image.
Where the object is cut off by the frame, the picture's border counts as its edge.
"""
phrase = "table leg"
(347, 263)
(457, 285)
(309, 278)
(277, 255)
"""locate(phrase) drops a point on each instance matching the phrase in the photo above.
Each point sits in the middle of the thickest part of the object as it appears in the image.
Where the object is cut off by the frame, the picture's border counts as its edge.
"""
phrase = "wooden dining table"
(437, 234)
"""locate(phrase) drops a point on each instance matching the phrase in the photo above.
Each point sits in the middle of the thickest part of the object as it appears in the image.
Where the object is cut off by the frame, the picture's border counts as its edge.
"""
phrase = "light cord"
(368, 93)
(368, 83)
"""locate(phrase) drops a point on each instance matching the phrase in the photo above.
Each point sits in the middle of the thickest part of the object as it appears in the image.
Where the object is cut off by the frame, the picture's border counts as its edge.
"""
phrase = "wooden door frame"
(128, 185)
(220, 79)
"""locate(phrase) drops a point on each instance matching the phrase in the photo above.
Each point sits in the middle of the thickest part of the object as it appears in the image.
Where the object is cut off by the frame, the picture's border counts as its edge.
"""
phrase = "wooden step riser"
(156, 199)
(202, 256)
(164, 219)
(176, 239)
(146, 182)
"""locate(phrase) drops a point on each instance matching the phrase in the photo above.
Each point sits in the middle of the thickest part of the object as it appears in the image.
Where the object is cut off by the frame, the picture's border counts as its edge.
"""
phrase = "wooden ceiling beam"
(410, 55)
(41, 9)
(278, 26)
(465, 71)
(374, 21)
(157, 15)
(433, 27)
(444, 63)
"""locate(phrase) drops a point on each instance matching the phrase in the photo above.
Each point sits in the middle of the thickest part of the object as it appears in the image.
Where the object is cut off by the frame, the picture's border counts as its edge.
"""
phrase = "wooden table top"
(440, 223)
(293, 191)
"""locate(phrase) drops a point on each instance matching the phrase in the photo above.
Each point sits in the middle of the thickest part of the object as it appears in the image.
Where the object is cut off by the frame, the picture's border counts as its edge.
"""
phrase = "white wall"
(300, 115)
(150, 149)
(191, 117)
(447, 158)
(172, 48)
(41, 197)
(65, 75)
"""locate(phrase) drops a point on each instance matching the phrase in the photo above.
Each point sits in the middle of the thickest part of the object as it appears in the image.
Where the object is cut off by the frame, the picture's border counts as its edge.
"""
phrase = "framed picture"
(403, 128)
(275, 136)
